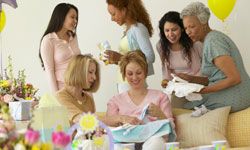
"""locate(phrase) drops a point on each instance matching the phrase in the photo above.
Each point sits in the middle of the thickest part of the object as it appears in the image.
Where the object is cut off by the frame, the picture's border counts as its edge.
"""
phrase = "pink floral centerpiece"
(12, 88)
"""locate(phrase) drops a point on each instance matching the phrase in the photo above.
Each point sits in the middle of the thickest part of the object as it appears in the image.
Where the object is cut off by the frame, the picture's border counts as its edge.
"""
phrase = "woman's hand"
(193, 79)
(155, 111)
(130, 120)
(164, 83)
(112, 56)
(185, 76)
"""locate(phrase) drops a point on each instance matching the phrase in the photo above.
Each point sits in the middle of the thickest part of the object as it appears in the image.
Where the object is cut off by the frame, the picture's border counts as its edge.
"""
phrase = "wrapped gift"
(20, 110)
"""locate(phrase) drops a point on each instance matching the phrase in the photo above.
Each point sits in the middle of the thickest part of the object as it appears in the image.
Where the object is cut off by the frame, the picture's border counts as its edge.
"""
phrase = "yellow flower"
(28, 98)
(88, 122)
(4, 83)
(59, 128)
(98, 141)
(35, 147)
(46, 146)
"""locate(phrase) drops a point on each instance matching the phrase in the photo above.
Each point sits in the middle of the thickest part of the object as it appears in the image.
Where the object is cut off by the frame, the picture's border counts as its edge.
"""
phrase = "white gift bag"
(20, 110)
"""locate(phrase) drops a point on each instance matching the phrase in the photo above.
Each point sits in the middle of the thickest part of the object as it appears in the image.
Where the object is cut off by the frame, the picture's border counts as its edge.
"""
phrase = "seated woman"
(81, 76)
(227, 82)
(177, 51)
(129, 105)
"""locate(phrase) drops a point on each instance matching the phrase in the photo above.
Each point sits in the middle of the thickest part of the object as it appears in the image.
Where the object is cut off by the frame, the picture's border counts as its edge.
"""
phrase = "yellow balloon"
(2, 20)
(221, 8)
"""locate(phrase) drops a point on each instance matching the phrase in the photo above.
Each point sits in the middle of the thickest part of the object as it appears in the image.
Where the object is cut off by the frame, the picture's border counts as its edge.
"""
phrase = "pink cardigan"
(56, 54)
(121, 104)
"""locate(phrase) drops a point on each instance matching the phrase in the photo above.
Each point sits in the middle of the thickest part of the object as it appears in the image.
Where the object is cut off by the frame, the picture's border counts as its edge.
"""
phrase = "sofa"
(236, 130)
(236, 127)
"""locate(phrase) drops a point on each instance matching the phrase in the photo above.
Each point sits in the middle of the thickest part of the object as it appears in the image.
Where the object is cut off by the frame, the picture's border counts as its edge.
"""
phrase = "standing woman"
(227, 82)
(59, 43)
(138, 29)
(177, 51)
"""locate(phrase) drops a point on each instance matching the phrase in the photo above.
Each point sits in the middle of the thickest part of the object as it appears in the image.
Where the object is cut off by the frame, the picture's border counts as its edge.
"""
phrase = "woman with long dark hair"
(59, 43)
(177, 51)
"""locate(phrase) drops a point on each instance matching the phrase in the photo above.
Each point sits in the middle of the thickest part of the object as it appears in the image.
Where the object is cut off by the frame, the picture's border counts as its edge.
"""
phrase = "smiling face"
(172, 32)
(70, 21)
(135, 75)
(193, 28)
(91, 74)
(117, 15)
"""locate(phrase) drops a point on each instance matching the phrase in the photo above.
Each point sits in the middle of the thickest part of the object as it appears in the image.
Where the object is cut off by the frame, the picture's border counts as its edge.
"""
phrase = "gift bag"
(20, 110)
(48, 100)
(47, 119)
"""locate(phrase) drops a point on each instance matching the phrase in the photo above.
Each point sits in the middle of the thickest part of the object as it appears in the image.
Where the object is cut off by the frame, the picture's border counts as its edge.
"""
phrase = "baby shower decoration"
(11, 3)
(91, 134)
(221, 8)
(2, 20)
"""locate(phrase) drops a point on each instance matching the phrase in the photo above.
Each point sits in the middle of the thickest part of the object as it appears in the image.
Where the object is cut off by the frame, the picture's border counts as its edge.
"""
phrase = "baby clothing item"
(182, 88)
(199, 111)
(103, 46)
(143, 115)
(141, 133)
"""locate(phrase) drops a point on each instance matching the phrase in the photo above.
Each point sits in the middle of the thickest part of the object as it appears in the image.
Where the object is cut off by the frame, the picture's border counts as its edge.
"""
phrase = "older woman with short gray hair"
(223, 74)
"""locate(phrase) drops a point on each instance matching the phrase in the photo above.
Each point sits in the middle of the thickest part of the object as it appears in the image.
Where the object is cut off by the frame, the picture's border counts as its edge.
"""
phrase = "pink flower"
(8, 98)
(31, 136)
(60, 139)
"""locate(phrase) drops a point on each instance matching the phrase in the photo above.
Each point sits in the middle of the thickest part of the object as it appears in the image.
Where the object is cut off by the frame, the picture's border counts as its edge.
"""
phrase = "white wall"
(26, 24)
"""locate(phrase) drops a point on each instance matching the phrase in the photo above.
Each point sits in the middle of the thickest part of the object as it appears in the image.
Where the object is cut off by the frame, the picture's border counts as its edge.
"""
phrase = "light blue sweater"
(138, 38)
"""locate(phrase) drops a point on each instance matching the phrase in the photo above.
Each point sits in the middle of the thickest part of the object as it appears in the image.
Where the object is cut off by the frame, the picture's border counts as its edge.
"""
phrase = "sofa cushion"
(196, 131)
(238, 132)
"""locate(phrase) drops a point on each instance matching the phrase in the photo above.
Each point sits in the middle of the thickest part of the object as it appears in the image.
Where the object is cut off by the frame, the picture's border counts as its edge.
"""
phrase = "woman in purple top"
(59, 43)
(177, 51)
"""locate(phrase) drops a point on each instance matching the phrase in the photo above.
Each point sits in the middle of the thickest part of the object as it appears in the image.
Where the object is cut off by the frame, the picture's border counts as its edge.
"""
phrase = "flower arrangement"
(91, 134)
(30, 140)
(10, 139)
(15, 88)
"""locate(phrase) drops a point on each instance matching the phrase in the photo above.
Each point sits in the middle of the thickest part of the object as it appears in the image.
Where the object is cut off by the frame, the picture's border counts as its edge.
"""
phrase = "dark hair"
(56, 22)
(185, 41)
(135, 10)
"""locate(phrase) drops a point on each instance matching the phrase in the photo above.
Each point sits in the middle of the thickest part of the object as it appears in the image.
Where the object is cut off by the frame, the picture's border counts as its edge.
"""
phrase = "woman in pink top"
(129, 105)
(59, 43)
(177, 51)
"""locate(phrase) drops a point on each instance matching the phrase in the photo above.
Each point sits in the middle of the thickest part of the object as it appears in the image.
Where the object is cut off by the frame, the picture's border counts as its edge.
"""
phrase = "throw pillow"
(238, 131)
(197, 131)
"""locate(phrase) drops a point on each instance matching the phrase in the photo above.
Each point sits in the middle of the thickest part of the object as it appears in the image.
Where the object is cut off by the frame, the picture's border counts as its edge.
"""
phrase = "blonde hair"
(77, 71)
(135, 10)
(136, 56)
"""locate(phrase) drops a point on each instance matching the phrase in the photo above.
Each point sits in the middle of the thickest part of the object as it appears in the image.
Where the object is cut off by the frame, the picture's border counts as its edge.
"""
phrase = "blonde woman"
(129, 105)
(81, 78)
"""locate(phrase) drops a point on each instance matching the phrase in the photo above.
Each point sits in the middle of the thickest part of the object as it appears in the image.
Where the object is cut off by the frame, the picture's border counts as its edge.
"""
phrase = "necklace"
(79, 102)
